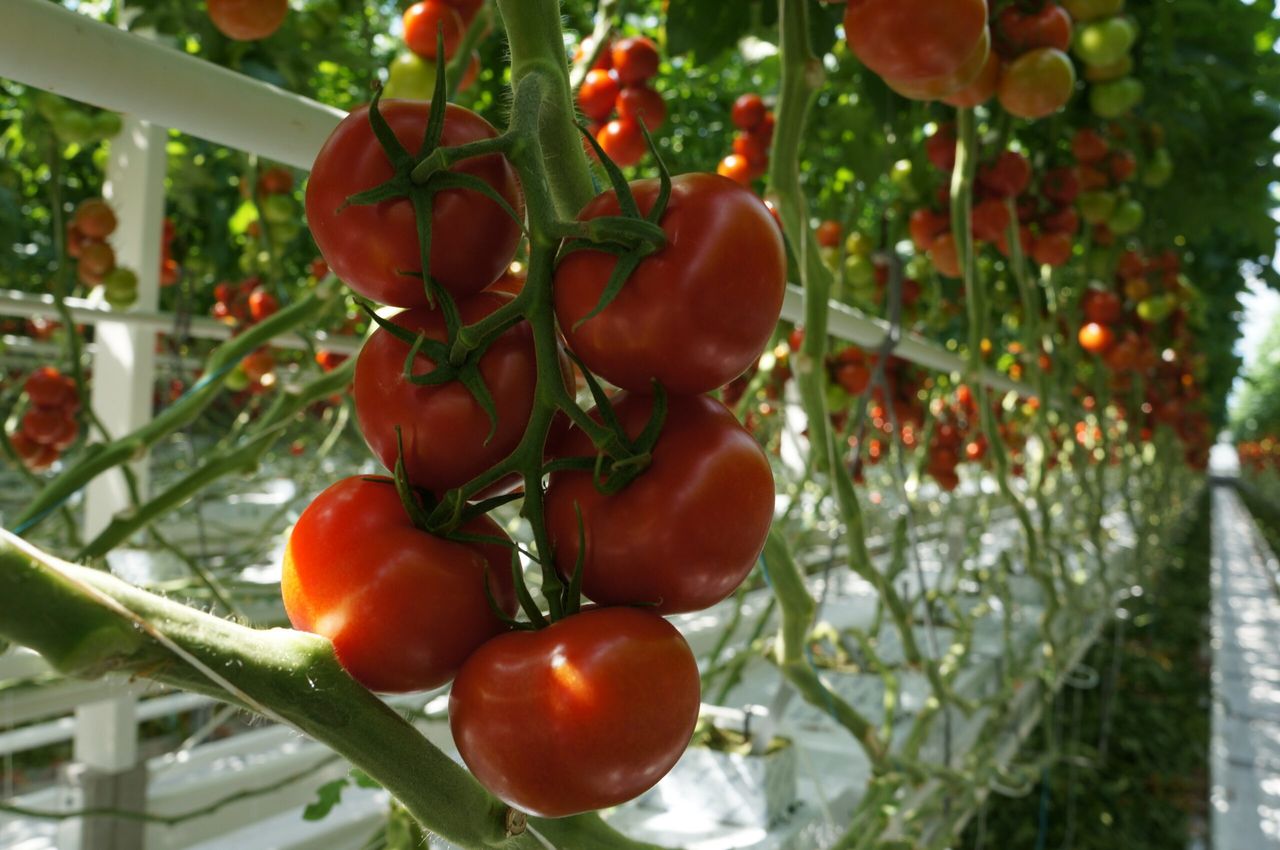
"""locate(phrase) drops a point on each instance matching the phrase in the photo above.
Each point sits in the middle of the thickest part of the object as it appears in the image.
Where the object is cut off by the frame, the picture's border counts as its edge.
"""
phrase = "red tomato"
(1088, 147)
(275, 181)
(374, 249)
(585, 714)
(1052, 249)
(247, 20)
(1064, 220)
(753, 150)
(635, 59)
(66, 434)
(1060, 185)
(258, 365)
(945, 255)
(738, 169)
(693, 315)
(444, 428)
(403, 608)
(466, 8)
(941, 148)
(926, 226)
(829, 233)
(46, 388)
(991, 220)
(709, 482)
(44, 425)
(932, 88)
(1102, 307)
(748, 111)
(909, 40)
(623, 142)
(641, 103)
(425, 21)
(262, 305)
(598, 93)
(1023, 31)
(1123, 166)
(1007, 177)
(1096, 338)
(95, 219)
(981, 89)
(97, 258)
(1037, 84)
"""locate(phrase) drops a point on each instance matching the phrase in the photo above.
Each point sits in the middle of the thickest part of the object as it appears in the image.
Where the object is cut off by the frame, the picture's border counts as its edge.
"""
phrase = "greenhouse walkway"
(1245, 757)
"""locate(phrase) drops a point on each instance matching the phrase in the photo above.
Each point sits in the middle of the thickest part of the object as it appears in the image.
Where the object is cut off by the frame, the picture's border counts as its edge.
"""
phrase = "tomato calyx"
(420, 177)
(631, 236)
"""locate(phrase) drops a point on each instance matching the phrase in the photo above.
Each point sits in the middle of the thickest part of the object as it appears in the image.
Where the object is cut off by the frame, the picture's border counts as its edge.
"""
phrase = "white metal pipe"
(52, 48)
(83, 311)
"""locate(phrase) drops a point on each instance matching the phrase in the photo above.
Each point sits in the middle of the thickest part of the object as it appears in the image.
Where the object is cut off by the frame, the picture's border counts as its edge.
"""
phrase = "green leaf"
(328, 795)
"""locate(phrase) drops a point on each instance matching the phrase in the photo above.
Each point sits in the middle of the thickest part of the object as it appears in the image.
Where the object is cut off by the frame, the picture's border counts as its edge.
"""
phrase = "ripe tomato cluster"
(170, 271)
(49, 426)
(243, 305)
(618, 82)
(1029, 71)
(87, 233)
(590, 709)
(750, 158)
(1260, 455)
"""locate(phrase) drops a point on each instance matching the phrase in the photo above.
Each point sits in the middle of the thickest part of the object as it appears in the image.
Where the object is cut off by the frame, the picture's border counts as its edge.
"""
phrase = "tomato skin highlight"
(403, 608)
(585, 714)
(443, 427)
(693, 315)
(685, 533)
(371, 247)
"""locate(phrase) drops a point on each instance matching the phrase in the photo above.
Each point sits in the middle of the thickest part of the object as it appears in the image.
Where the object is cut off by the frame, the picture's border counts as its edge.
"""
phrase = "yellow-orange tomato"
(1038, 83)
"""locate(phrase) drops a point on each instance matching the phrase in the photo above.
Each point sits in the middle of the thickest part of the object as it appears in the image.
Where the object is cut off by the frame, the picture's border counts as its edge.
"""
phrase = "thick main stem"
(537, 47)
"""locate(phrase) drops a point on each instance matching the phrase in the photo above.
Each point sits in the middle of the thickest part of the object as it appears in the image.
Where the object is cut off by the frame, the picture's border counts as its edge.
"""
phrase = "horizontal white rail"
(52, 48)
(83, 311)
(44, 45)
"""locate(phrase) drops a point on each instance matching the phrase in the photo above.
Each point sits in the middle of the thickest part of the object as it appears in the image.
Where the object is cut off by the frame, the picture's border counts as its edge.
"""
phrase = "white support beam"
(53, 48)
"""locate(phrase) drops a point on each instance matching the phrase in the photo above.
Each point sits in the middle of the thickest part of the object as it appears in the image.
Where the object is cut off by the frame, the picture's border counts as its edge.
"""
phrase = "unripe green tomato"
(1156, 308)
(283, 233)
(73, 127)
(837, 398)
(410, 77)
(917, 267)
(1126, 218)
(1159, 169)
(1107, 73)
(1113, 99)
(858, 245)
(236, 380)
(1105, 42)
(900, 176)
(107, 125)
(1096, 207)
(859, 272)
(830, 256)
(1091, 10)
(278, 209)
